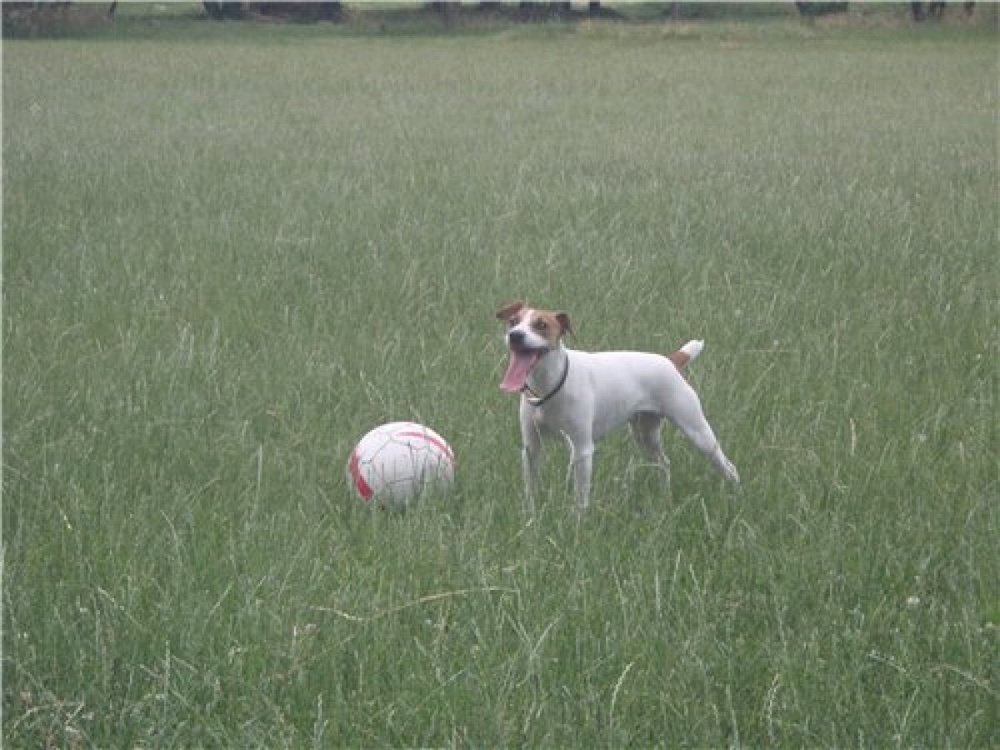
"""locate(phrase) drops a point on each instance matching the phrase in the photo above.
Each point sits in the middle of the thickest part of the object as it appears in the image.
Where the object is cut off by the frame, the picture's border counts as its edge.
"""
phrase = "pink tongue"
(518, 369)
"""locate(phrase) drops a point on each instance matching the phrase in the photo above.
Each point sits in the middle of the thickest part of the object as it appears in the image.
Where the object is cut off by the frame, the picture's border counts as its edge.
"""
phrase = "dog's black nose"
(516, 338)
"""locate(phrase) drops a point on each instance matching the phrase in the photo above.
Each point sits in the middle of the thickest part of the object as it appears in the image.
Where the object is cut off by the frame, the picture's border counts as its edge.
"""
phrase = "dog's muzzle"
(523, 359)
(516, 339)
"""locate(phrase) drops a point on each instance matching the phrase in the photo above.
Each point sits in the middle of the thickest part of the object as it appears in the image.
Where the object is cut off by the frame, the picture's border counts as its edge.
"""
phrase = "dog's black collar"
(535, 400)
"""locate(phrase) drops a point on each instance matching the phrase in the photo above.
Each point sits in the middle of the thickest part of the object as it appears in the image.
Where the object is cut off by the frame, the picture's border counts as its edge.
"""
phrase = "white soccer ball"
(395, 463)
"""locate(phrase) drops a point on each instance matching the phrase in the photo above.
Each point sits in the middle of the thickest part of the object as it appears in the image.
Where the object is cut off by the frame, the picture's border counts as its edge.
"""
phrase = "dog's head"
(530, 335)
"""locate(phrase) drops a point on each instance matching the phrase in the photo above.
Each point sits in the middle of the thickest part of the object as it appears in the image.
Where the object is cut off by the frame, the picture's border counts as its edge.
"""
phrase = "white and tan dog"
(585, 395)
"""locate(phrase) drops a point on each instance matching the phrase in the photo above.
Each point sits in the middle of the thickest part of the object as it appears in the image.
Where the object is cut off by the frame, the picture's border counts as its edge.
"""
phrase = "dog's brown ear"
(564, 322)
(679, 358)
(509, 311)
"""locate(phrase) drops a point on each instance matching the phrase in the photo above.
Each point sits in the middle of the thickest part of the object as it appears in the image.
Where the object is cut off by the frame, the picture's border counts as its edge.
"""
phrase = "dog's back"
(621, 384)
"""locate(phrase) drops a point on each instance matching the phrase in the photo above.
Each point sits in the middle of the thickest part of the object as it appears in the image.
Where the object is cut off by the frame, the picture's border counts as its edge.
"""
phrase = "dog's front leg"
(583, 470)
(529, 471)
(531, 457)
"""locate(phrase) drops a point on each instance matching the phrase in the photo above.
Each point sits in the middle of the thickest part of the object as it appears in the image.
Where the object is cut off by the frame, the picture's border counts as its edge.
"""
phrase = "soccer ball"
(395, 463)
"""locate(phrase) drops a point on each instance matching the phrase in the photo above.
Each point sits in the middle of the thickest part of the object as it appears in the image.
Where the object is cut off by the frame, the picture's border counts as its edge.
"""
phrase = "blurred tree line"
(17, 14)
(552, 9)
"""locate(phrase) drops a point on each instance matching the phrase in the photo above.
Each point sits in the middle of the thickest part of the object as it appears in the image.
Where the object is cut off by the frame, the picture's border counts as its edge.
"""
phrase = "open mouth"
(522, 362)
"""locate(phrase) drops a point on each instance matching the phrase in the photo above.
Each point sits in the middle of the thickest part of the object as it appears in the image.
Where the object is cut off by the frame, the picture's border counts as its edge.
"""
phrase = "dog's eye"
(514, 321)
(540, 325)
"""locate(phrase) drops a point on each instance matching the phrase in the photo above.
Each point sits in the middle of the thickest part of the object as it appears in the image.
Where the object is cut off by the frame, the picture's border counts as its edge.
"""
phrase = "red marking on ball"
(439, 444)
(364, 489)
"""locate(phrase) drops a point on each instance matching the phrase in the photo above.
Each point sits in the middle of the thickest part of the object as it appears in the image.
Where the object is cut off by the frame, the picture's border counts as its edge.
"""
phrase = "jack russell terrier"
(586, 395)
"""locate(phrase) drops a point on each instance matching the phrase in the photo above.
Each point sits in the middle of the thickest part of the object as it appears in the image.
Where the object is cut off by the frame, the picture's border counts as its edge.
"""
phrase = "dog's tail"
(686, 353)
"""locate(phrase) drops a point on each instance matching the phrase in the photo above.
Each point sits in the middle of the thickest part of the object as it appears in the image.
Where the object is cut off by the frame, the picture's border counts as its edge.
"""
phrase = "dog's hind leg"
(646, 429)
(691, 421)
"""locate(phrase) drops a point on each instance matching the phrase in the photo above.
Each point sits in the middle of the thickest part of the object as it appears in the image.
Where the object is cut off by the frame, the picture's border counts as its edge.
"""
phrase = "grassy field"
(225, 259)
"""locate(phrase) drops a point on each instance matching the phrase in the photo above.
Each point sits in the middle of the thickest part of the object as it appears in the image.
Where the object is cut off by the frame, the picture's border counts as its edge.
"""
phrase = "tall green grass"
(225, 260)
